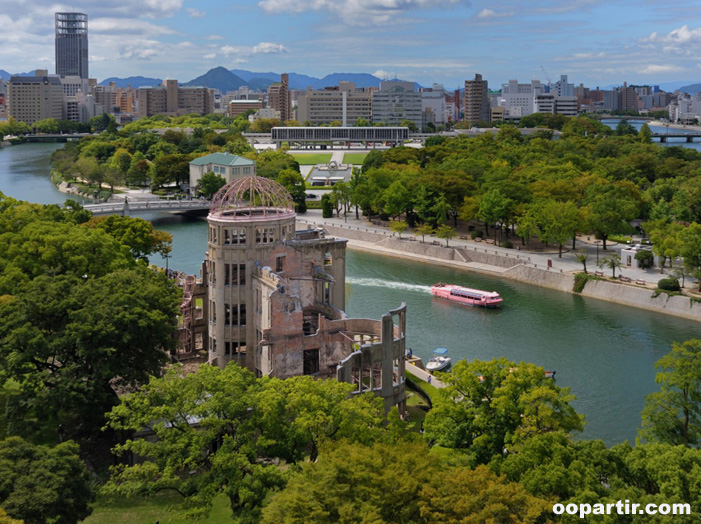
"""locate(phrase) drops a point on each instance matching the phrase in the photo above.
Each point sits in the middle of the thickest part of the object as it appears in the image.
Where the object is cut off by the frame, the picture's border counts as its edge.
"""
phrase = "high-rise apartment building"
(279, 97)
(172, 99)
(477, 101)
(36, 97)
(72, 44)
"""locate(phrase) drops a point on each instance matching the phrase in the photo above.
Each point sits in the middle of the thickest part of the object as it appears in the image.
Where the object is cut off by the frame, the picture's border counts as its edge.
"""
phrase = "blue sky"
(594, 42)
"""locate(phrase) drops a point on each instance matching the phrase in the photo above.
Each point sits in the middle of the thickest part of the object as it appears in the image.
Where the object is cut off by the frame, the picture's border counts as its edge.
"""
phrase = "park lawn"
(165, 508)
(430, 390)
(355, 159)
(312, 159)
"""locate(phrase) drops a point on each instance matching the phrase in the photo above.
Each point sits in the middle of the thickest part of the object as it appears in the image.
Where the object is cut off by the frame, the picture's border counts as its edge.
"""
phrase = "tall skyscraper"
(477, 101)
(279, 97)
(72, 44)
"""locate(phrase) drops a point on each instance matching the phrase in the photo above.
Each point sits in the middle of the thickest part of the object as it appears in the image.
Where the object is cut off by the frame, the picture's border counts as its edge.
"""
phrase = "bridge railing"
(148, 205)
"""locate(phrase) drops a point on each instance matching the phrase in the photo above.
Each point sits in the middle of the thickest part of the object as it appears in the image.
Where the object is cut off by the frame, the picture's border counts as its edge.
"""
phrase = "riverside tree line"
(85, 324)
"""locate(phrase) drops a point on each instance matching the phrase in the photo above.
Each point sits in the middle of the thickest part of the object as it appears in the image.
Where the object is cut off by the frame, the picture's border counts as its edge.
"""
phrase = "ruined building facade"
(271, 299)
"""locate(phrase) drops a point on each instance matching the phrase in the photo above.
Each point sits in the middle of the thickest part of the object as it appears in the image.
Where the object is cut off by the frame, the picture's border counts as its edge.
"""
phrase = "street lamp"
(597, 242)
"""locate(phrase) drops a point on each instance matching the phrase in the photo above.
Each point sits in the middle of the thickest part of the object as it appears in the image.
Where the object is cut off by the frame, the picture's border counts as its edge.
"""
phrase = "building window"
(265, 235)
(242, 315)
(231, 348)
(227, 237)
(311, 361)
(327, 293)
(280, 264)
(227, 314)
(238, 236)
(227, 274)
(238, 274)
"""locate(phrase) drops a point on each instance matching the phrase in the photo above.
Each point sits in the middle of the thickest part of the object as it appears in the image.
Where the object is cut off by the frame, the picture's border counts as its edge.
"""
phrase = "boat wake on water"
(378, 282)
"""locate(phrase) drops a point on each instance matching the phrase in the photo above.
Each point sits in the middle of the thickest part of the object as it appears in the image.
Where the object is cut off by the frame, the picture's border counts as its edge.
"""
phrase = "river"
(603, 352)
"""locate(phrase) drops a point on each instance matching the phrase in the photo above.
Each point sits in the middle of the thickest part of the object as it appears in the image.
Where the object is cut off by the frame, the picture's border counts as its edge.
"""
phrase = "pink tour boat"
(466, 295)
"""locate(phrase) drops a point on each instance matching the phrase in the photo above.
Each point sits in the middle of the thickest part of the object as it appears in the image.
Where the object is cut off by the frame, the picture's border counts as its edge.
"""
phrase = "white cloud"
(266, 48)
(357, 12)
(210, 56)
(195, 13)
(486, 13)
(680, 36)
(263, 48)
(117, 26)
(654, 69)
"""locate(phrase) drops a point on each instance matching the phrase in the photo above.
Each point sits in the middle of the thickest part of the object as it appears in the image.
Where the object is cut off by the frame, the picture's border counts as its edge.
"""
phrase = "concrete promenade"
(539, 259)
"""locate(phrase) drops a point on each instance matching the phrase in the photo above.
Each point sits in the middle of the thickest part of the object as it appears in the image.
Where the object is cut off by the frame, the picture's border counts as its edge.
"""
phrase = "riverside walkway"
(548, 261)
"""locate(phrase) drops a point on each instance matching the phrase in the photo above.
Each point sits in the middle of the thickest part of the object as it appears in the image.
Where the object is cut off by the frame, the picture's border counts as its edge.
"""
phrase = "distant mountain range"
(132, 81)
(691, 89)
(230, 80)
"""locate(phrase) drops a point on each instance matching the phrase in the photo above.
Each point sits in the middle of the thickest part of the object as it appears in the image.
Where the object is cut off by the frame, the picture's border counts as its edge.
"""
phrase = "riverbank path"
(567, 264)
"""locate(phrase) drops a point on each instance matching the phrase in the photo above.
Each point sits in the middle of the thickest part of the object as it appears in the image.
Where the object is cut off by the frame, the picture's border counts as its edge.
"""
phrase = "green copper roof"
(222, 159)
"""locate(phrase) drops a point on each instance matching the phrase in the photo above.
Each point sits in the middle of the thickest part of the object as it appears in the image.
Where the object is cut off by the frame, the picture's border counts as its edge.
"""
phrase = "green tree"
(612, 262)
(48, 125)
(645, 258)
(397, 199)
(326, 206)
(690, 249)
(243, 424)
(73, 342)
(582, 258)
(610, 208)
(489, 406)
(341, 197)
(398, 226)
(413, 128)
(294, 183)
(41, 485)
(423, 230)
(170, 169)
(559, 221)
(210, 183)
(673, 414)
(349, 484)
(645, 135)
(446, 233)
(492, 208)
(138, 234)
(466, 496)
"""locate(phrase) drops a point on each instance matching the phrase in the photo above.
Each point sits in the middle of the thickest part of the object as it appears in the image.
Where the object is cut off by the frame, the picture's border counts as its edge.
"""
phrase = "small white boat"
(439, 362)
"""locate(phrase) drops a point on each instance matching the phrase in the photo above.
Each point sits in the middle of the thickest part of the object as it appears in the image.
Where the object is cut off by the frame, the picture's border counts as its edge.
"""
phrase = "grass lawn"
(354, 158)
(165, 508)
(312, 159)
(430, 390)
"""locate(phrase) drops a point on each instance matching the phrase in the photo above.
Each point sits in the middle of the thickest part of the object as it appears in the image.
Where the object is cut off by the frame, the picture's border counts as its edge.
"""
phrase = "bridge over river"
(130, 207)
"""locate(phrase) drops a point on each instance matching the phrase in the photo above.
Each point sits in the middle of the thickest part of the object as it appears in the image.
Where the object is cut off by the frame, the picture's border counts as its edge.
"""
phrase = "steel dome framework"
(252, 196)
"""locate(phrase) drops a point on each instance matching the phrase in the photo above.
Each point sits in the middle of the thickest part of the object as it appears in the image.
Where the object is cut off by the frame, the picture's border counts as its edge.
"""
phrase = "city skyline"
(446, 41)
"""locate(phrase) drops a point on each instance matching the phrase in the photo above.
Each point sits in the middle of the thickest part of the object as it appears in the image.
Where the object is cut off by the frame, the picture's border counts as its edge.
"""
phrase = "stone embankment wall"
(642, 297)
(520, 268)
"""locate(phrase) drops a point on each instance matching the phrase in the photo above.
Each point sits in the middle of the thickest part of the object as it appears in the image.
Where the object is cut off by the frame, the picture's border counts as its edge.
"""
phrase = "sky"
(597, 43)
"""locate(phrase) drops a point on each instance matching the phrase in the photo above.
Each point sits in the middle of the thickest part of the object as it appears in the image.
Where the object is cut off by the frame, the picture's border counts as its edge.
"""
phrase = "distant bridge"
(665, 136)
(55, 137)
(131, 207)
